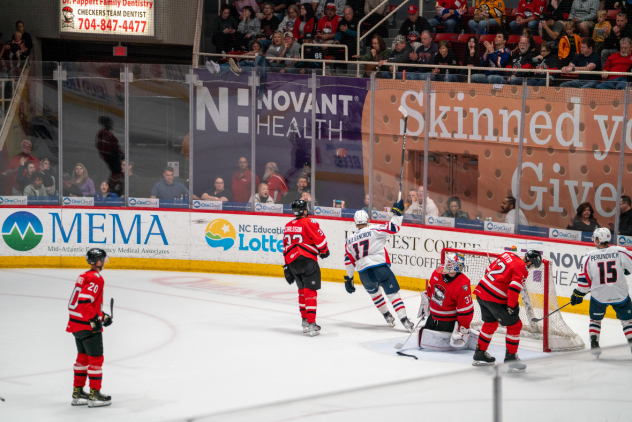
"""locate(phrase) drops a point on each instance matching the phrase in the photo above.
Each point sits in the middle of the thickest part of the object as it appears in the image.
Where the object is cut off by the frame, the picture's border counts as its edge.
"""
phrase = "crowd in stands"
(16, 49)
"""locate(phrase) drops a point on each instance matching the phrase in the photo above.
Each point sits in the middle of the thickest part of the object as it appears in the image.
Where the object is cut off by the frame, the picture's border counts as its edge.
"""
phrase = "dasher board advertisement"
(108, 17)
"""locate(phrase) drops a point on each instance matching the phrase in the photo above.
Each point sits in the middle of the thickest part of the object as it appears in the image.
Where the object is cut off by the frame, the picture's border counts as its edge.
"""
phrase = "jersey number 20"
(365, 249)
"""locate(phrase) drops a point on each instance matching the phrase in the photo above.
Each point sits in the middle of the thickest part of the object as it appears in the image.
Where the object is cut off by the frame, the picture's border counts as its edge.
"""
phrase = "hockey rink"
(200, 346)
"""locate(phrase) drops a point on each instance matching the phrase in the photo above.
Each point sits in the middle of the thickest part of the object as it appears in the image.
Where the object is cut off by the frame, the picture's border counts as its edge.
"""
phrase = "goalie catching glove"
(288, 275)
(349, 284)
(459, 337)
(577, 297)
(424, 307)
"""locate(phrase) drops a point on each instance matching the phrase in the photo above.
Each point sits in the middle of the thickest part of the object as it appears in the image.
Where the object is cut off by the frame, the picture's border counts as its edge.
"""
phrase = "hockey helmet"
(602, 234)
(454, 262)
(535, 257)
(361, 217)
(96, 254)
(298, 207)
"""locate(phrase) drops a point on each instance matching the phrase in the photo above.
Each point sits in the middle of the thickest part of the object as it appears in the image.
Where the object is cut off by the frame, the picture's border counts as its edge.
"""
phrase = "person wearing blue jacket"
(495, 56)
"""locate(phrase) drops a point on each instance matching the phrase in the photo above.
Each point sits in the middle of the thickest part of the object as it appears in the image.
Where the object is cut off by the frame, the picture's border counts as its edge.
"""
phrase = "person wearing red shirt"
(241, 183)
(328, 25)
(618, 62)
(303, 242)
(305, 23)
(448, 14)
(497, 295)
(528, 15)
(276, 183)
(86, 323)
(15, 163)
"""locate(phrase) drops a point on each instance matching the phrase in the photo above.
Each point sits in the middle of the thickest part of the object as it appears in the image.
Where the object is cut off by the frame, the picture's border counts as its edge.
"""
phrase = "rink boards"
(240, 243)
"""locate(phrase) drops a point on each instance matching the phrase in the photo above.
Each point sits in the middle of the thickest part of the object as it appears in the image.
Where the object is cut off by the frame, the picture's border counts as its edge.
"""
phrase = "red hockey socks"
(512, 338)
(95, 371)
(81, 370)
(310, 304)
(379, 302)
(487, 331)
(301, 302)
(398, 305)
(594, 328)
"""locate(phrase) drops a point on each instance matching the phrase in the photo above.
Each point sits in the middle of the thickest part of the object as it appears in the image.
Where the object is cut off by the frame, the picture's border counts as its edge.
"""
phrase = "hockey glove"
(349, 284)
(288, 275)
(324, 254)
(96, 324)
(398, 208)
(424, 307)
(107, 320)
(577, 297)
(513, 311)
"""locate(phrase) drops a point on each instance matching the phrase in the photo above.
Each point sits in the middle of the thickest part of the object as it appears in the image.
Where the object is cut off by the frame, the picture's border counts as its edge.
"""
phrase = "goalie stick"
(401, 171)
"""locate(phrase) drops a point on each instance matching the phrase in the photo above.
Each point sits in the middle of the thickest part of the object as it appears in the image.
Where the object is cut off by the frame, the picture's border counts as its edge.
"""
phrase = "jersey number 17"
(365, 249)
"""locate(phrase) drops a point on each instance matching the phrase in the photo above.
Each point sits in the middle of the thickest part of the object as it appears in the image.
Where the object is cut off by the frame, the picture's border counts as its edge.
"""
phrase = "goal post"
(538, 298)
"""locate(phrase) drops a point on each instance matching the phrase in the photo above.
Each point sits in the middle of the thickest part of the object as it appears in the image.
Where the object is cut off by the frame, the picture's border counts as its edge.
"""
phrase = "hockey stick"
(558, 309)
(112, 308)
(1, 398)
(401, 345)
(401, 171)
(410, 356)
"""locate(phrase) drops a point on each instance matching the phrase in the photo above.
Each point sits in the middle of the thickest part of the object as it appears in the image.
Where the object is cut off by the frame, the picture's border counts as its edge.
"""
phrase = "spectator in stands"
(559, 10)
(248, 29)
(306, 23)
(347, 34)
(528, 15)
(307, 197)
(321, 9)
(495, 56)
(36, 187)
(551, 30)
(301, 186)
(412, 197)
(291, 49)
(339, 203)
(618, 62)
(275, 52)
(287, 24)
(569, 43)
(584, 13)
(601, 31)
(262, 196)
(488, 14)
(400, 54)
(269, 24)
(242, 4)
(69, 188)
(366, 205)
(454, 209)
(241, 182)
(418, 206)
(105, 191)
(107, 145)
(620, 30)
(425, 54)
(24, 175)
(508, 207)
(276, 183)
(18, 161)
(224, 29)
(625, 218)
(250, 59)
(412, 27)
(584, 220)
(168, 188)
(445, 57)
(546, 60)
(49, 179)
(310, 52)
(280, 8)
(81, 178)
(26, 43)
(587, 60)
(379, 11)
(328, 25)
(622, 6)
(522, 59)
(378, 52)
(471, 56)
(135, 184)
(448, 14)
(218, 192)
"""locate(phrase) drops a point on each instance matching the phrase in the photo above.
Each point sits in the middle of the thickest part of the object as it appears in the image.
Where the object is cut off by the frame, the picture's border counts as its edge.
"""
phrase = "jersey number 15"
(607, 268)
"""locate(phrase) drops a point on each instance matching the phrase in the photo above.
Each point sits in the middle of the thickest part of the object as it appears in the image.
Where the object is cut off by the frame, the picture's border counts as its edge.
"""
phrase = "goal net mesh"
(559, 337)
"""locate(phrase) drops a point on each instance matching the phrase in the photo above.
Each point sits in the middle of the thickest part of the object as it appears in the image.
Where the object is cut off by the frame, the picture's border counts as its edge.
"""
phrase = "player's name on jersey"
(207, 205)
(328, 211)
(274, 208)
(13, 200)
(602, 256)
(78, 201)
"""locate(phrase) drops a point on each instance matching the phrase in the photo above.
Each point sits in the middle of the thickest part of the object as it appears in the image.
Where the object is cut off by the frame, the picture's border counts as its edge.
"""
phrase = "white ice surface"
(191, 344)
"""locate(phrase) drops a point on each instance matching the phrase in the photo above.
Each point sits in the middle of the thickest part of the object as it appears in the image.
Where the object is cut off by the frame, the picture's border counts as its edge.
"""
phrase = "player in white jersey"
(603, 276)
(365, 252)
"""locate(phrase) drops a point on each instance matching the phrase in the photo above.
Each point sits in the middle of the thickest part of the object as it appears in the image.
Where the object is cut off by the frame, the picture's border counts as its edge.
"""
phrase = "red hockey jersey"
(303, 237)
(531, 10)
(450, 300)
(503, 280)
(86, 301)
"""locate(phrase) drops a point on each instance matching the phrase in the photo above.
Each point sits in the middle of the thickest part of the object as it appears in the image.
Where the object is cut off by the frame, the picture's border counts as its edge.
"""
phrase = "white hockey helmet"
(454, 262)
(602, 234)
(361, 217)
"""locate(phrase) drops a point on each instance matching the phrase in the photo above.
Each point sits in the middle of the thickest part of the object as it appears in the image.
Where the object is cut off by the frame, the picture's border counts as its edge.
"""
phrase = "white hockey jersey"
(365, 248)
(602, 274)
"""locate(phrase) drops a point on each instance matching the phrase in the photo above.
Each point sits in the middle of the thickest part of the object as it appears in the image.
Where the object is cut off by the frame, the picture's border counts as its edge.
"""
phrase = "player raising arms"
(86, 322)
(497, 294)
(303, 242)
(602, 275)
(448, 300)
(365, 252)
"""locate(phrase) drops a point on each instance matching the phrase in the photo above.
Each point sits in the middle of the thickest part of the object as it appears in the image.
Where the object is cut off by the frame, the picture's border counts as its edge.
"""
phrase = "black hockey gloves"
(513, 311)
(577, 297)
(398, 208)
(96, 324)
(288, 275)
(107, 320)
(324, 255)
(349, 284)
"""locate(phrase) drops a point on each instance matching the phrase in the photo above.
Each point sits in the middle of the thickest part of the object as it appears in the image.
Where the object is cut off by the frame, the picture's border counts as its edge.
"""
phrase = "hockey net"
(537, 299)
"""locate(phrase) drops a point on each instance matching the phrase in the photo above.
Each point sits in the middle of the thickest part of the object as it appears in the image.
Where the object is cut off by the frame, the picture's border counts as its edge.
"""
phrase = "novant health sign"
(111, 17)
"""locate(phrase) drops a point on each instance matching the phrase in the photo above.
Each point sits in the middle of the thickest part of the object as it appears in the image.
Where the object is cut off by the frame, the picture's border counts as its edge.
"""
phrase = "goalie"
(447, 303)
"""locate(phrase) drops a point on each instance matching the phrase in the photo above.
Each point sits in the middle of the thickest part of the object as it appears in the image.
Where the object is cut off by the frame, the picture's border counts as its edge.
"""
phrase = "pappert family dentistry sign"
(111, 17)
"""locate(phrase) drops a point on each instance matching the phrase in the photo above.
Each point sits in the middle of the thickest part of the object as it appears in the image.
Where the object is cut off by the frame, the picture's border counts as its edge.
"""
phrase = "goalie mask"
(454, 262)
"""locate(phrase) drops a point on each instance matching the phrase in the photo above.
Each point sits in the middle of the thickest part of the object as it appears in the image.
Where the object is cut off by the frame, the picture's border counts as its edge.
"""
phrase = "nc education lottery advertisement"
(109, 17)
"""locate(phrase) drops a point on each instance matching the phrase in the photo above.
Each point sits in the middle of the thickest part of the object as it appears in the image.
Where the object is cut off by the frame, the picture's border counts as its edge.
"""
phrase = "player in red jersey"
(86, 321)
(497, 295)
(448, 301)
(303, 242)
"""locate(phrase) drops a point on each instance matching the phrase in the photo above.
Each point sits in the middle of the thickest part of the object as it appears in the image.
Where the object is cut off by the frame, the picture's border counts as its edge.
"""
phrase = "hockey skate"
(594, 346)
(515, 365)
(389, 319)
(408, 325)
(630, 343)
(79, 397)
(482, 358)
(96, 399)
(305, 325)
(313, 329)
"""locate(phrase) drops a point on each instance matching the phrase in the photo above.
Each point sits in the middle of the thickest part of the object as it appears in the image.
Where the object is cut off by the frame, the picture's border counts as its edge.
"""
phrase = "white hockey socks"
(594, 329)
(379, 302)
(398, 305)
(627, 329)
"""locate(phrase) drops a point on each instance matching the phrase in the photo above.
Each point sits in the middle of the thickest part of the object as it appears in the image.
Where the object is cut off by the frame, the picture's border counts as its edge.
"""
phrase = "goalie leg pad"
(435, 340)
